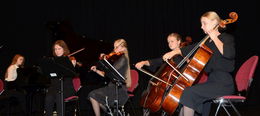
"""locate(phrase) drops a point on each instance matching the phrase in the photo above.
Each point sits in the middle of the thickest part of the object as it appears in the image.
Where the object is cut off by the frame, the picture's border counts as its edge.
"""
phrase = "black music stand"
(116, 77)
(53, 70)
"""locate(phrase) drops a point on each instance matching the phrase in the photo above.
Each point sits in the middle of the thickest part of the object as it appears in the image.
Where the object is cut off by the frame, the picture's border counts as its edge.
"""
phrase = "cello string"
(146, 72)
(195, 48)
(177, 71)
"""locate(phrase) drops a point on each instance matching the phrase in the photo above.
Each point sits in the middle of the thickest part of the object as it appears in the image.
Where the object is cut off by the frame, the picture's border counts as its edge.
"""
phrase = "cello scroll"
(233, 18)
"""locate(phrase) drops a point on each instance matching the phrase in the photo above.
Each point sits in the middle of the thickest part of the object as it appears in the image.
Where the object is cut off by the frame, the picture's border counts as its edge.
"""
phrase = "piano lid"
(62, 30)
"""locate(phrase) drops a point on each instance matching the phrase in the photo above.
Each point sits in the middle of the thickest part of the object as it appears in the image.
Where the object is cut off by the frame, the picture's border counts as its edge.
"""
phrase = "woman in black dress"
(62, 66)
(98, 97)
(219, 67)
(174, 41)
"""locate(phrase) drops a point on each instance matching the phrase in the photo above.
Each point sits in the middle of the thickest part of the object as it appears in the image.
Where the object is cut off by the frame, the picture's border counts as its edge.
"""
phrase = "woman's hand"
(102, 55)
(139, 65)
(93, 68)
(99, 72)
(170, 54)
(213, 34)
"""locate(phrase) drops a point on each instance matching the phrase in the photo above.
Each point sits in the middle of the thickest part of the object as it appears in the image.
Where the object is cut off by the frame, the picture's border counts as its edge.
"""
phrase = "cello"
(153, 96)
(192, 70)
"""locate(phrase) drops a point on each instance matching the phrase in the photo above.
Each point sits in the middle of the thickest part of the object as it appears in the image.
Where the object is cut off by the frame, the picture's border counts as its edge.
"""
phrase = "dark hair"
(62, 44)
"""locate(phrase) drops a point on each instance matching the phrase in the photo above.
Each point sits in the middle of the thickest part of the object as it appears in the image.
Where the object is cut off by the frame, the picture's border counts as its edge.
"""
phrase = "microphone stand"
(61, 95)
(62, 86)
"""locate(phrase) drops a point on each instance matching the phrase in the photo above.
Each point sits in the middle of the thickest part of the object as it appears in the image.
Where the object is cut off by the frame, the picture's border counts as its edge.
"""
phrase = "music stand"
(53, 70)
(115, 76)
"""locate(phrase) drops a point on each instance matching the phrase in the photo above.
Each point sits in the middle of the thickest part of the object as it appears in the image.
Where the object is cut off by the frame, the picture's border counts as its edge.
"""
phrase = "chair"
(203, 78)
(134, 84)
(244, 77)
(4, 99)
(1, 91)
(130, 90)
(76, 85)
(1, 87)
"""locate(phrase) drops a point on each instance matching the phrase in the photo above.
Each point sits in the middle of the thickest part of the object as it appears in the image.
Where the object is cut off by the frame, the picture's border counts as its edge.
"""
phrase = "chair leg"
(146, 112)
(225, 109)
(122, 111)
(8, 108)
(234, 108)
(220, 103)
(78, 108)
(132, 106)
(164, 113)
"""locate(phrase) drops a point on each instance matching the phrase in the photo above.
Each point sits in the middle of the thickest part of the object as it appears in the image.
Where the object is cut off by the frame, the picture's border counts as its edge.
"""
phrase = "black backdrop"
(145, 25)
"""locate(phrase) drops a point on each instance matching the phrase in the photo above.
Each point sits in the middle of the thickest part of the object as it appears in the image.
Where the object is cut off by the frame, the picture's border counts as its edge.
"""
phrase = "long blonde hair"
(128, 75)
(214, 16)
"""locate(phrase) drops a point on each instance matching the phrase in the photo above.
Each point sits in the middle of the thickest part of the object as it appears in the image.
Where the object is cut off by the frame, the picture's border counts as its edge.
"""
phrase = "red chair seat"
(71, 98)
(77, 85)
(234, 97)
(244, 77)
(130, 95)
(1, 86)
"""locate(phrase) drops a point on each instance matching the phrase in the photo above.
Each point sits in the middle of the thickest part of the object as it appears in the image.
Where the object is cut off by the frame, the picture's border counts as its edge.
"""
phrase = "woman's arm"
(99, 72)
(11, 73)
(140, 64)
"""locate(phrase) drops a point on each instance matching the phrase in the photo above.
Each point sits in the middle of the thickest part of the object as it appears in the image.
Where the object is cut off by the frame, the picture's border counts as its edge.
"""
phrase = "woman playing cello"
(153, 96)
(219, 67)
(174, 41)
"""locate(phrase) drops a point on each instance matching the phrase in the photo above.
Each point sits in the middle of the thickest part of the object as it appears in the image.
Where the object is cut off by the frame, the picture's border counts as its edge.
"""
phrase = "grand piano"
(35, 83)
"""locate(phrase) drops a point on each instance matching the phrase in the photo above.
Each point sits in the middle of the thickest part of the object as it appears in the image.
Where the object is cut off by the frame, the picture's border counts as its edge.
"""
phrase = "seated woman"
(98, 97)
(12, 86)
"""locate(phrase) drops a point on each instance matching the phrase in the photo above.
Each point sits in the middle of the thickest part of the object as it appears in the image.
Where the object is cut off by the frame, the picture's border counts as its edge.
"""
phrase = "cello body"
(153, 96)
(191, 72)
(169, 96)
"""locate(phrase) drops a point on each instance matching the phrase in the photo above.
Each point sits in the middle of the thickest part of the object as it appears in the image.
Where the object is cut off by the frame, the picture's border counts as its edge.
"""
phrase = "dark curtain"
(145, 25)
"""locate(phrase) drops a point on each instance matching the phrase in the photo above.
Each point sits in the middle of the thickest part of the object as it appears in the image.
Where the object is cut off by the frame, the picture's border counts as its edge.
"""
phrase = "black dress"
(63, 67)
(220, 81)
(121, 65)
(158, 62)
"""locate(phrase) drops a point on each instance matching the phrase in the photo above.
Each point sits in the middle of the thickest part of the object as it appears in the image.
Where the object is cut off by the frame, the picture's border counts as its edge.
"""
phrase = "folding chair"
(244, 77)
(76, 85)
(134, 84)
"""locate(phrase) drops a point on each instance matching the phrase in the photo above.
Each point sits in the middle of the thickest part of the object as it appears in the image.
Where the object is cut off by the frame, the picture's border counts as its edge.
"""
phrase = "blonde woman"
(174, 41)
(98, 97)
(219, 67)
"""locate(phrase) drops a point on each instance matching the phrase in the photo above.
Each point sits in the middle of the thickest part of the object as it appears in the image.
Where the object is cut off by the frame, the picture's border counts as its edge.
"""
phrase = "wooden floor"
(245, 110)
